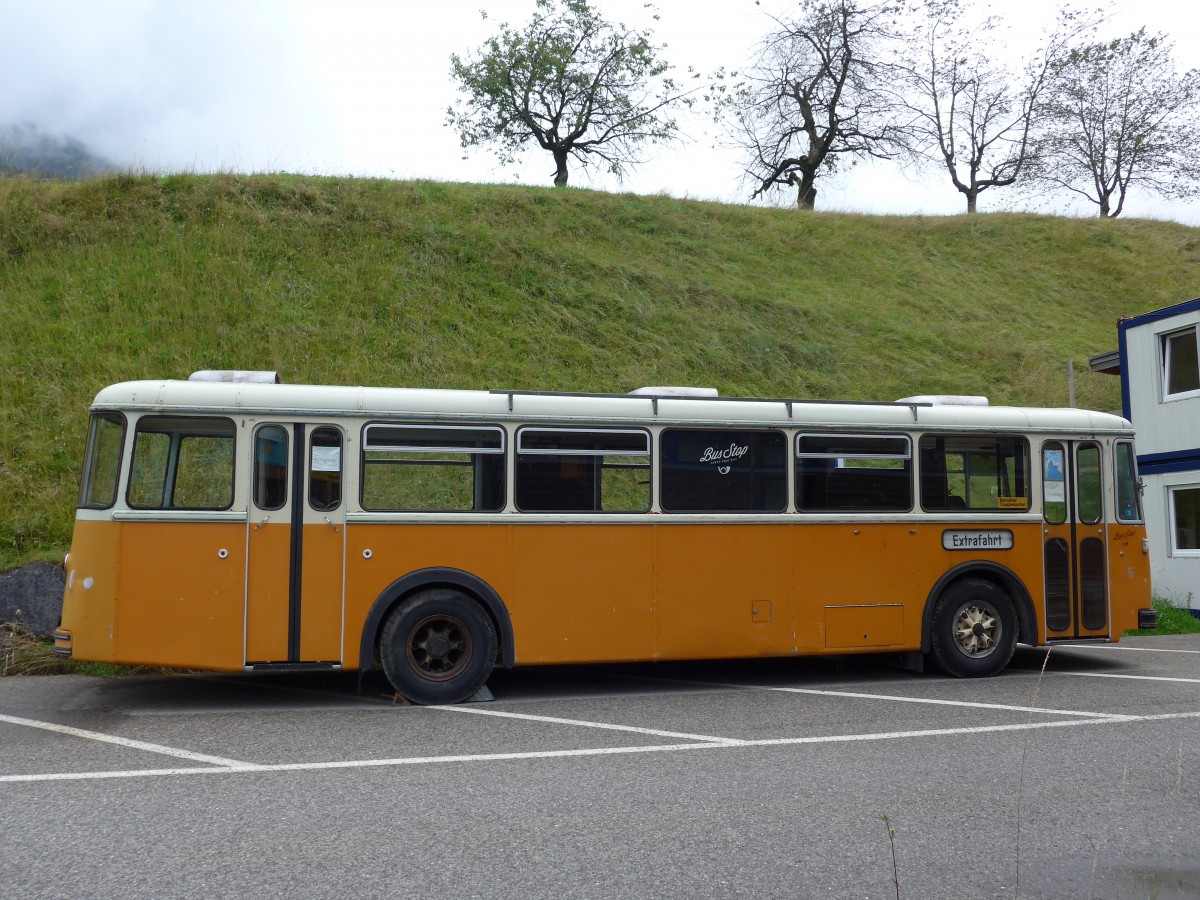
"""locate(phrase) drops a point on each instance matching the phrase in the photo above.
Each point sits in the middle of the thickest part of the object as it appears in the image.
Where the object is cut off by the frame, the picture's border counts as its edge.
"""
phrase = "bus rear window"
(182, 463)
(964, 473)
(102, 461)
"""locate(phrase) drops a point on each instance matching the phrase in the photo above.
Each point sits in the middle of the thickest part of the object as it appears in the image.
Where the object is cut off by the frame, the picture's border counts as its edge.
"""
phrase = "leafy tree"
(810, 100)
(968, 113)
(1120, 116)
(573, 83)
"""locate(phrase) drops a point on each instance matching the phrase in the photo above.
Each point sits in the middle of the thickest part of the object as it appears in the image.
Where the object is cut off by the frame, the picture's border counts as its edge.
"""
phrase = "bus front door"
(1076, 583)
(296, 546)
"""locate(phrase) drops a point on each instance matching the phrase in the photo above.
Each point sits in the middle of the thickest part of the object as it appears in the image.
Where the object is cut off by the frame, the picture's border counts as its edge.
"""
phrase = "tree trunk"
(972, 202)
(560, 173)
(806, 191)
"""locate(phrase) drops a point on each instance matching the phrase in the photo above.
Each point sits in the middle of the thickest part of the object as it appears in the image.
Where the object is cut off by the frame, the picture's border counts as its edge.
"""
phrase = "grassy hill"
(441, 285)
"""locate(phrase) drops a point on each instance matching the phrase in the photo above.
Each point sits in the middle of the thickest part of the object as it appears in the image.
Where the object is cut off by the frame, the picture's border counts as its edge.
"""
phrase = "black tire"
(438, 647)
(974, 629)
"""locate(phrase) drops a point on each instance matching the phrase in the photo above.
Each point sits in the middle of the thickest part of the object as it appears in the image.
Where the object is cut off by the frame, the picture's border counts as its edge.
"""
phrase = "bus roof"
(451, 405)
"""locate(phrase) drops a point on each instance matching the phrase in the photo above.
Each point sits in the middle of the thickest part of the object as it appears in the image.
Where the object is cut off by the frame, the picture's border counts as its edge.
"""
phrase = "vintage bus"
(230, 522)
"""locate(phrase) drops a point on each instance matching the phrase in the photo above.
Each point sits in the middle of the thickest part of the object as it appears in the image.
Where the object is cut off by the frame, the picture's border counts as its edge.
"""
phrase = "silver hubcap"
(977, 629)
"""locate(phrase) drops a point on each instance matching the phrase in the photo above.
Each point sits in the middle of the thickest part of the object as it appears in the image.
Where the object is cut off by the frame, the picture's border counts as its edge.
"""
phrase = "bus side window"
(325, 469)
(974, 472)
(582, 470)
(270, 467)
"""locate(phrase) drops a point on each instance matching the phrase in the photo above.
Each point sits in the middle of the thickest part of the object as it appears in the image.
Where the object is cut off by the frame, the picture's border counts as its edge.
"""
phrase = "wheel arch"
(436, 577)
(1002, 577)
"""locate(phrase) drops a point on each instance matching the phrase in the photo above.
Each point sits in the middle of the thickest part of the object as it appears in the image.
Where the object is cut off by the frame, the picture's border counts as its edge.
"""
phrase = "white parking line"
(702, 738)
(1122, 647)
(936, 702)
(1086, 714)
(722, 744)
(1134, 677)
(122, 742)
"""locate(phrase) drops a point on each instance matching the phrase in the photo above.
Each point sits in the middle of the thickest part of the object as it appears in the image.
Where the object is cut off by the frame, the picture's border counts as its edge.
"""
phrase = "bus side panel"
(1024, 559)
(1128, 576)
(88, 611)
(321, 595)
(582, 593)
(180, 601)
(378, 554)
(724, 591)
(858, 586)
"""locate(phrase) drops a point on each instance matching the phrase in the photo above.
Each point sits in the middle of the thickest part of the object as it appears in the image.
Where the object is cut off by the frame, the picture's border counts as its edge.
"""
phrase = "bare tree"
(967, 112)
(810, 100)
(569, 81)
(1120, 116)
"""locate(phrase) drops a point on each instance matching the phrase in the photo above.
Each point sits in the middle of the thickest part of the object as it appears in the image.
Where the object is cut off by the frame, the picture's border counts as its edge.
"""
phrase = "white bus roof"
(451, 405)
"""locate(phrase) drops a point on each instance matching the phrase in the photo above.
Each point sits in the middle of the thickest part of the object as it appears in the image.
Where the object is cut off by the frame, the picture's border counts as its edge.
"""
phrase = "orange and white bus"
(247, 524)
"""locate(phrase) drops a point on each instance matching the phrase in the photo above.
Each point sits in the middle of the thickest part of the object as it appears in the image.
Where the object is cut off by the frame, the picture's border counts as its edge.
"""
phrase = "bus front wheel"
(438, 646)
(974, 629)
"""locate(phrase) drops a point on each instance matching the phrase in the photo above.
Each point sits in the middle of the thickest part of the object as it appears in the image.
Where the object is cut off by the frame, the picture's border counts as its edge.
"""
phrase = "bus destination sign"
(977, 540)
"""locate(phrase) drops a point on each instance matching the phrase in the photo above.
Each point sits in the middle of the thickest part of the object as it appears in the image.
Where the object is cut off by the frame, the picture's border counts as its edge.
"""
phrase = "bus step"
(293, 667)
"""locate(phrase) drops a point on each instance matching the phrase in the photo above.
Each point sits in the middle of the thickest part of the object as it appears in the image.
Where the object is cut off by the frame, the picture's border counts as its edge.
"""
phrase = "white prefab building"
(1159, 360)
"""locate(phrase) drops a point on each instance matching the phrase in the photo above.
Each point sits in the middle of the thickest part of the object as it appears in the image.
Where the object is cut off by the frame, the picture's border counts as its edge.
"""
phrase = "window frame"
(786, 464)
(502, 452)
(1117, 448)
(1165, 340)
(857, 436)
(172, 469)
(1024, 440)
(520, 450)
(89, 461)
(1172, 522)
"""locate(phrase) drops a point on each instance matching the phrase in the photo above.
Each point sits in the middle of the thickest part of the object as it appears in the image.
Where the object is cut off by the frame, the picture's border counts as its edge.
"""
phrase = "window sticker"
(1055, 480)
(723, 457)
(327, 459)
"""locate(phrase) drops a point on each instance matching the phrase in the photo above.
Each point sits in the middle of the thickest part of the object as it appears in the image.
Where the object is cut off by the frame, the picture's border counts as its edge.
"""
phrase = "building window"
(853, 473)
(723, 470)
(1185, 520)
(1181, 368)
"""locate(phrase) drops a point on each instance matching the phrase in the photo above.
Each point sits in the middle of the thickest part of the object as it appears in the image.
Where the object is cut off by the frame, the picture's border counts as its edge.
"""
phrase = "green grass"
(465, 286)
(1171, 620)
(21, 653)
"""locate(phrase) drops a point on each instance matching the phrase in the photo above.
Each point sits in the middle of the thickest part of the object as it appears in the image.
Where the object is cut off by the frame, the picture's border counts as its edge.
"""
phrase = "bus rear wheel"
(437, 647)
(974, 629)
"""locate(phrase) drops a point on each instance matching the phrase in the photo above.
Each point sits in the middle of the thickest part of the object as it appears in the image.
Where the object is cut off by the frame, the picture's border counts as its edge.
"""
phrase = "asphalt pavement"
(817, 778)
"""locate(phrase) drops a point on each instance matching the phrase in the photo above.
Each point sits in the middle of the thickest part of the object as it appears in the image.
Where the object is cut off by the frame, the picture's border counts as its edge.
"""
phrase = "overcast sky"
(361, 87)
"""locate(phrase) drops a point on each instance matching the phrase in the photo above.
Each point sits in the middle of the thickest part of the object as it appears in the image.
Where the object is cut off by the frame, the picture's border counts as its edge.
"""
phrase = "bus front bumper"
(1147, 619)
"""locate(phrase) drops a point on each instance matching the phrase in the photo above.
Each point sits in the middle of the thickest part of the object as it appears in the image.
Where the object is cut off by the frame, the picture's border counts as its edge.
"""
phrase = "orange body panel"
(321, 595)
(89, 610)
(575, 593)
(179, 603)
(709, 580)
(1128, 575)
(582, 592)
(860, 564)
(268, 584)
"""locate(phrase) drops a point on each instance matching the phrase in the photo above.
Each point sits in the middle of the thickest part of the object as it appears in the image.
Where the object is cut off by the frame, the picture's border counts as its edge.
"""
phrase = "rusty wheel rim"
(439, 647)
